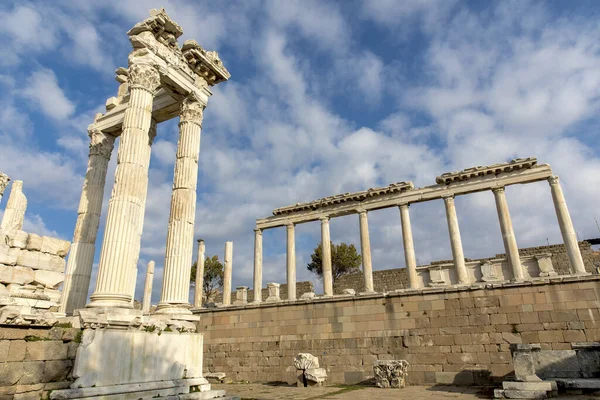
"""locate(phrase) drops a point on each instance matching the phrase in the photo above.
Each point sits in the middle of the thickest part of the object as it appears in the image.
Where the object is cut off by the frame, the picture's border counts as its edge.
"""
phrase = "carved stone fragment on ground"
(390, 373)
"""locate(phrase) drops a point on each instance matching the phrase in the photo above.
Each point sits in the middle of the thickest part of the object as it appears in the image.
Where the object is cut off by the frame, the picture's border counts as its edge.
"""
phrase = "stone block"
(33, 372)
(4, 350)
(556, 364)
(46, 350)
(17, 239)
(34, 242)
(38, 260)
(57, 370)
(16, 274)
(48, 279)
(546, 386)
(55, 246)
(17, 350)
(9, 255)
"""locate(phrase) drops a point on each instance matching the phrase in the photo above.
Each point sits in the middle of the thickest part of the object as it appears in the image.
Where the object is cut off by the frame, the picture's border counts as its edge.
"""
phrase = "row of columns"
(506, 227)
(117, 267)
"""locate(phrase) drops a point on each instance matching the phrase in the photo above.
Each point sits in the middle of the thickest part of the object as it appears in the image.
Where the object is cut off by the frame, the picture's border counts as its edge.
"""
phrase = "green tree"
(344, 260)
(213, 277)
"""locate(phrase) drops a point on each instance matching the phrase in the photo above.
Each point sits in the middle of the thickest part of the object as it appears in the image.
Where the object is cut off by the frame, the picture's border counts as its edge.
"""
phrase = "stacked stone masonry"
(34, 362)
(448, 335)
(393, 279)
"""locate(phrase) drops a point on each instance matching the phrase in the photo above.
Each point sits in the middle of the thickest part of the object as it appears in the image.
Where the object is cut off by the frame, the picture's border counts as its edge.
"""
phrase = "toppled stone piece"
(304, 361)
(317, 375)
(308, 295)
(215, 376)
(349, 291)
(390, 373)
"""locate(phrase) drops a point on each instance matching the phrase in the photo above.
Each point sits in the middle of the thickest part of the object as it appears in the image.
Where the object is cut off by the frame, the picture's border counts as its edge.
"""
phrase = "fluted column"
(227, 270)
(508, 234)
(257, 265)
(326, 257)
(455, 241)
(365, 249)
(291, 262)
(566, 226)
(122, 237)
(409, 247)
(180, 235)
(148, 288)
(83, 247)
(4, 179)
(199, 275)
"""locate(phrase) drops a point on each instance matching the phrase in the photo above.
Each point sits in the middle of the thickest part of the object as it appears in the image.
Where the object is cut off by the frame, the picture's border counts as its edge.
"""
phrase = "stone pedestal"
(326, 257)
(227, 273)
(456, 241)
(81, 259)
(508, 234)
(148, 288)
(241, 295)
(122, 237)
(273, 289)
(566, 226)
(257, 266)
(365, 249)
(180, 235)
(291, 262)
(409, 247)
(199, 286)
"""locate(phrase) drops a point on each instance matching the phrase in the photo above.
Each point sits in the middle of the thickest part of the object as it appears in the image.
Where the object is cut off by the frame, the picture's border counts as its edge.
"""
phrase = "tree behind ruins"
(213, 278)
(344, 260)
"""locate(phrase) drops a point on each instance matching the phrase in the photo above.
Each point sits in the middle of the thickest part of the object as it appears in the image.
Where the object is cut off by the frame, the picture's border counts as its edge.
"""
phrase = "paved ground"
(439, 392)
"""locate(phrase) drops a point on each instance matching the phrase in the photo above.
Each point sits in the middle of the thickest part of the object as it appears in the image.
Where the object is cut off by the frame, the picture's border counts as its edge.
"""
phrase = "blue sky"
(324, 98)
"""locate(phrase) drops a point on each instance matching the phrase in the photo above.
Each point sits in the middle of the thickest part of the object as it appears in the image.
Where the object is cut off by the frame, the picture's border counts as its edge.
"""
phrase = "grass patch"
(78, 337)
(34, 338)
(64, 325)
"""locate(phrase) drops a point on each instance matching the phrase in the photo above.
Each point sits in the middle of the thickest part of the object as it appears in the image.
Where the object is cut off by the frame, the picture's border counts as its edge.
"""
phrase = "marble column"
(180, 234)
(409, 247)
(227, 273)
(4, 179)
(326, 257)
(365, 249)
(508, 234)
(257, 265)
(199, 287)
(122, 236)
(455, 241)
(148, 288)
(14, 213)
(81, 255)
(566, 226)
(291, 262)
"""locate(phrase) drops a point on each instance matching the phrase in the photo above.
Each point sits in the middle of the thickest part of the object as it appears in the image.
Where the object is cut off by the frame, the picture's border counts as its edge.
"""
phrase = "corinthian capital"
(144, 76)
(553, 180)
(191, 110)
(101, 144)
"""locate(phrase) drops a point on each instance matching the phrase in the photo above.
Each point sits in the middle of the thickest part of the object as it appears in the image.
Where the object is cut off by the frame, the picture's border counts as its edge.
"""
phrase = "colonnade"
(506, 228)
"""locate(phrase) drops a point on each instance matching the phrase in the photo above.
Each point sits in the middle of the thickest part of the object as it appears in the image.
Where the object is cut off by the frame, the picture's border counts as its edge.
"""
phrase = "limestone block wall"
(34, 362)
(31, 271)
(397, 278)
(448, 335)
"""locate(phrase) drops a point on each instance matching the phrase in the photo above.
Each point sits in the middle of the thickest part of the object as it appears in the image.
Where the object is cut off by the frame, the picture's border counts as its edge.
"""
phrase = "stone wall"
(397, 278)
(448, 335)
(34, 362)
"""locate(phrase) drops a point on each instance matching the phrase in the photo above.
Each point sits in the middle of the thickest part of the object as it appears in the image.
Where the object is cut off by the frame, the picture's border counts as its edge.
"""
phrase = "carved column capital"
(101, 144)
(449, 198)
(4, 179)
(362, 213)
(289, 225)
(553, 180)
(404, 206)
(192, 110)
(258, 231)
(143, 76)
(498, 189)
(324, 219)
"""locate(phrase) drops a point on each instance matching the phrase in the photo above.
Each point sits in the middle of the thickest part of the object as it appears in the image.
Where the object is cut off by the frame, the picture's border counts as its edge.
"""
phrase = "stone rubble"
(309, 373)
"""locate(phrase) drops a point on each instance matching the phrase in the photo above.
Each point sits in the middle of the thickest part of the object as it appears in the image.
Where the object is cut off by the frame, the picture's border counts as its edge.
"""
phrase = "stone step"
(578, 383)
(547, 386)
(520, 394)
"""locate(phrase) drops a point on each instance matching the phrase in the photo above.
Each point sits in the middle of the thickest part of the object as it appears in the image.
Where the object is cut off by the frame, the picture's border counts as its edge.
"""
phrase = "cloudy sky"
(324, 98)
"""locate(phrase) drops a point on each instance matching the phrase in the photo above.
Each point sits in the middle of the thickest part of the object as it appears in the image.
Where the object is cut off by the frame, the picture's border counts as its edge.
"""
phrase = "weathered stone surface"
(46, 350)
(14, 214)
(10, 373)
(34, 242)
(55, 246)
(17, 350)
(547, 386)
(390, 373)
(523, 361)
(37, 260)
(304, 361)
(57, 370)
(273, 292)
(49, 279)
(557, 364)
(16, 274)
(9, 255)
(318, 375)
(17, 239)
(32, 372)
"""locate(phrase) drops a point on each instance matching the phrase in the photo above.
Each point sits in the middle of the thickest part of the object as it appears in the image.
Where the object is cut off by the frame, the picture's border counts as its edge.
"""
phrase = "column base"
(109, 300)
(173, 308)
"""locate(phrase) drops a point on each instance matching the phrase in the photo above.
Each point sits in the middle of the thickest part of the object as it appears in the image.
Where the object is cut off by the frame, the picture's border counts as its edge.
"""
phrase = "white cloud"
(43, 90)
